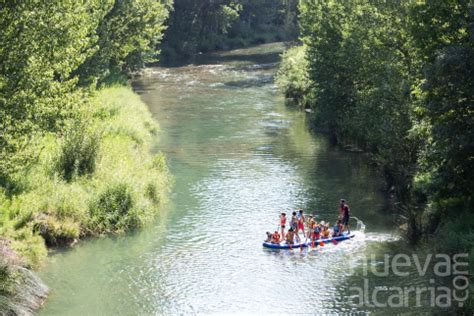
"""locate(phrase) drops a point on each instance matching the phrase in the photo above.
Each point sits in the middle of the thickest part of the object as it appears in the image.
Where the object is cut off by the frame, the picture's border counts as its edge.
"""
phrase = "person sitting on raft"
(282, 224)
(325, 231)
(275, 238)
(290, 236)
(269, 237)
(337, 229)
(316, 231)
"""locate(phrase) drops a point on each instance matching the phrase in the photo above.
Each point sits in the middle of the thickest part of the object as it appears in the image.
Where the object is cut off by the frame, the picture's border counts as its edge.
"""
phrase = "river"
(238, 156)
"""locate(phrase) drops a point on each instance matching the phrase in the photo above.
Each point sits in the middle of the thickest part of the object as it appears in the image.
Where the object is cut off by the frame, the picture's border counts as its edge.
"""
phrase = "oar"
(334, 241)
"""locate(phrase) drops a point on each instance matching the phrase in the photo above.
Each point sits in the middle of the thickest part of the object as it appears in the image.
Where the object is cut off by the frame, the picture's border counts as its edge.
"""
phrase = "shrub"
(113, 210)
(159, 162)
(78, 153)
(151, 192)
(292, 77)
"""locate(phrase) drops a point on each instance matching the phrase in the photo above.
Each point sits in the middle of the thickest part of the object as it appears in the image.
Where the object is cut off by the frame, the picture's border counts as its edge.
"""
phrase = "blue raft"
(308, 243)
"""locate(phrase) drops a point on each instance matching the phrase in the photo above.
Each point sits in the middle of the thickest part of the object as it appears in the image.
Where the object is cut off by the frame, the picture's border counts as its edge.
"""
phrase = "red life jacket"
(276, 237)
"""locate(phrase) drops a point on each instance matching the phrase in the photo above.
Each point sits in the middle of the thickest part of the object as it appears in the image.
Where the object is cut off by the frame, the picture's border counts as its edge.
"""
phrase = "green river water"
(238, 157)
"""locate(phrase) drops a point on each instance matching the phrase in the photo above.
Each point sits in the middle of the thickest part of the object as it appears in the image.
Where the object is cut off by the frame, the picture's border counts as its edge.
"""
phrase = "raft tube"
(308, 243)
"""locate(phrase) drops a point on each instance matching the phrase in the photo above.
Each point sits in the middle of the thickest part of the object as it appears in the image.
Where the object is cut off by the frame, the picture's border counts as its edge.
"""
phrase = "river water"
(238, 157)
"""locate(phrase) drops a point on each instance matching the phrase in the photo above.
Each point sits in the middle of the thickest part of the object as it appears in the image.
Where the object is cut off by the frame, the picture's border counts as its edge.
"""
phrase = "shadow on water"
(255, 55)
(259, 81)
(263, 58)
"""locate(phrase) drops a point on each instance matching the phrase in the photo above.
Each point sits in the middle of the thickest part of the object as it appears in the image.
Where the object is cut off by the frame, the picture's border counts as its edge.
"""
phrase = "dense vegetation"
(74, 151)
(204, 25)
(395, 79)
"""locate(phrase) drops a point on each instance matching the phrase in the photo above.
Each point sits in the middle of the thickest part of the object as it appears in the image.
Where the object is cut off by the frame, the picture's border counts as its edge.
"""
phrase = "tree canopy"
(49, 56)
(204, 25)
(395, 79)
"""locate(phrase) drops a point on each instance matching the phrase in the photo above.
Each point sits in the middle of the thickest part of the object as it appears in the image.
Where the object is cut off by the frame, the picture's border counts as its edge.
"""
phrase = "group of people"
(310, 228)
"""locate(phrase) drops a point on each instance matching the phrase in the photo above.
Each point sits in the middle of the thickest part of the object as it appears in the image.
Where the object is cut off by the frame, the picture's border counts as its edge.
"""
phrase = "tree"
(40, 48)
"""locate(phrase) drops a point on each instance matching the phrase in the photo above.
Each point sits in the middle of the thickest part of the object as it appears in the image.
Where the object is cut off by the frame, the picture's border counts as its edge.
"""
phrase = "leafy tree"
(442, 33)
(203, 25)
(127, 37)
(40, 47)
(395, 79)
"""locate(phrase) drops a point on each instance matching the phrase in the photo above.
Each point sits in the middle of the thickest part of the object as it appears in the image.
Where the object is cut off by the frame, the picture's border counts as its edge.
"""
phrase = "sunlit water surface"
(238, 157)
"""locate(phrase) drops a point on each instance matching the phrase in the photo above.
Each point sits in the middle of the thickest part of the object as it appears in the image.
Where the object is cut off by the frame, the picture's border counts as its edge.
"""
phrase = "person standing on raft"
(341, 208)
(300, 222)
(282, 224)
(345, 218)
(294, 225)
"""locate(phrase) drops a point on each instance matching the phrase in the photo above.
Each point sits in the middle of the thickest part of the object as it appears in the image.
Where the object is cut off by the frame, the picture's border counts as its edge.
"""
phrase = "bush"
(113, 210)
(292, 76)
(78, 153)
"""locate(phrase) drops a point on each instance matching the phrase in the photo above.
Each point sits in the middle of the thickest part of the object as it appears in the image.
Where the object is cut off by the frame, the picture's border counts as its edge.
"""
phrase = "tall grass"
(98, 177)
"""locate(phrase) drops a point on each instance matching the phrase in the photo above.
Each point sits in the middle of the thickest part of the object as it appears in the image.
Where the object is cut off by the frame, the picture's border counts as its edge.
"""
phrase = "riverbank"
(99, 177)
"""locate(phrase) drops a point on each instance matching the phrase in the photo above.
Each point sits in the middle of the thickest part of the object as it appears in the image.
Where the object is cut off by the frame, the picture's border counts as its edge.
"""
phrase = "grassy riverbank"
(98, 177)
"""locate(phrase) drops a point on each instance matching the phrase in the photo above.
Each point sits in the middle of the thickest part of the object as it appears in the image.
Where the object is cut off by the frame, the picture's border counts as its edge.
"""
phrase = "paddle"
(321, 243)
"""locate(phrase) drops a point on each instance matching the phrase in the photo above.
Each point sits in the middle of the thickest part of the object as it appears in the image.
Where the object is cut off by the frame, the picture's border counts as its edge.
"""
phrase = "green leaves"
(47, 49)
(196, 26)
(395, 78)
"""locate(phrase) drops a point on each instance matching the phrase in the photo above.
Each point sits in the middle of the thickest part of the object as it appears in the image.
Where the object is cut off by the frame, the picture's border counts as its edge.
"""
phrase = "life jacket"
(317, 230)
(282, 220)
(336, 228)
(276, 237)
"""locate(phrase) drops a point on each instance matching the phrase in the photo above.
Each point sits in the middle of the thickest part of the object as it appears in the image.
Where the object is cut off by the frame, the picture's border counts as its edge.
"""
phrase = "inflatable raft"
(308, 243)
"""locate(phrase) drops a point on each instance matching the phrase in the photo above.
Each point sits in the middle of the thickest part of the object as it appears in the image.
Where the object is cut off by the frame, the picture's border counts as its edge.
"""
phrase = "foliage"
(114, 210)
(53, 123)
(40, 47)
(123, 191)
(395, 79)
(196, 26)
(361, 70)
(127, 37)
(292, 77)
(79, 153)
(46, 50)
